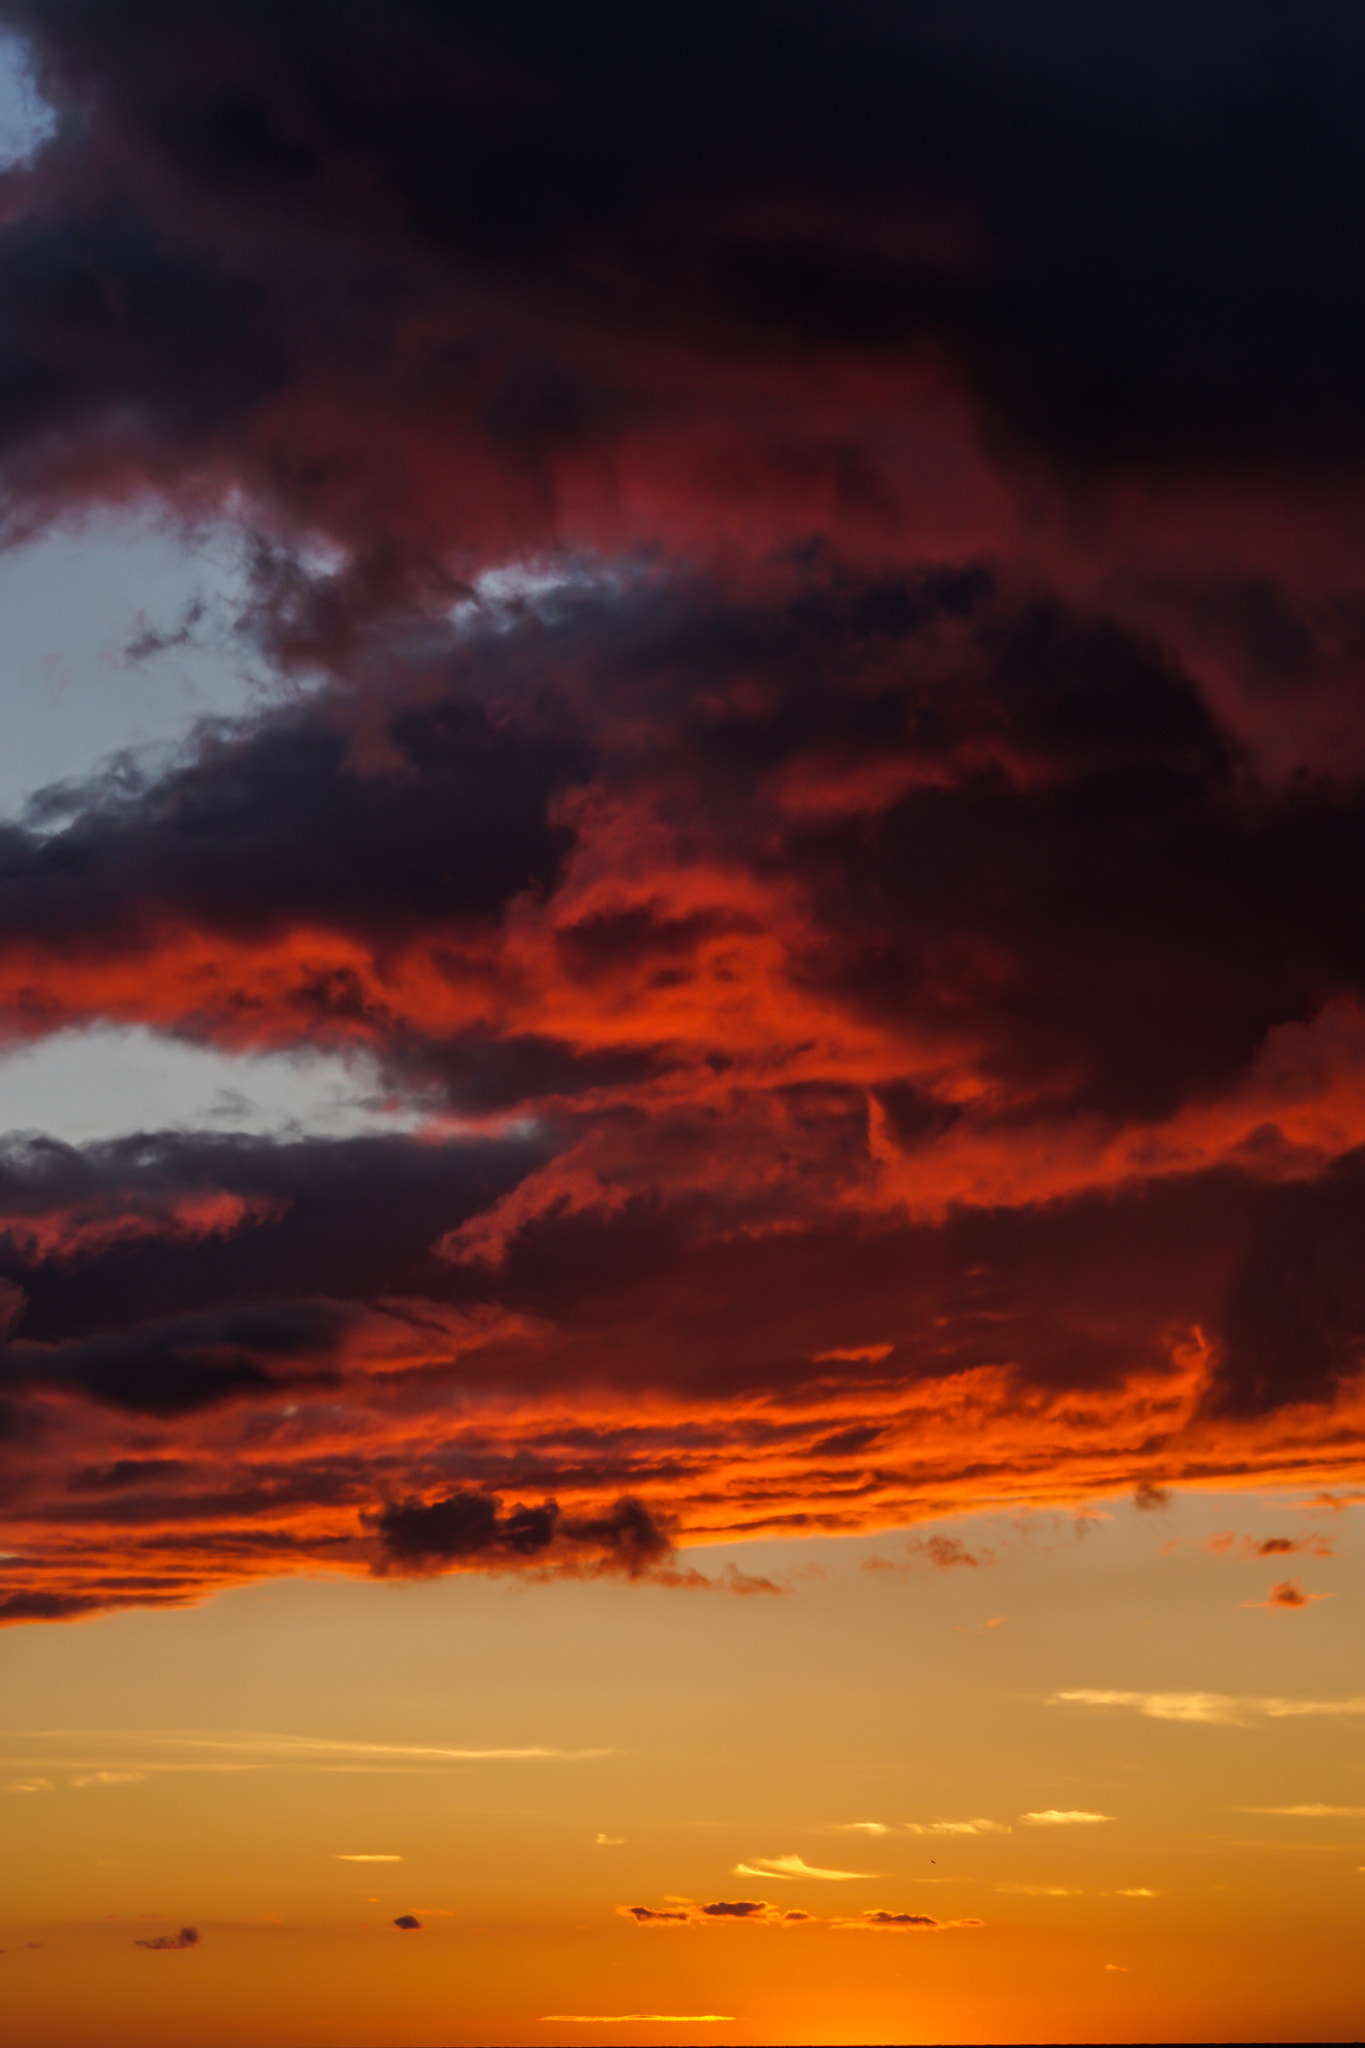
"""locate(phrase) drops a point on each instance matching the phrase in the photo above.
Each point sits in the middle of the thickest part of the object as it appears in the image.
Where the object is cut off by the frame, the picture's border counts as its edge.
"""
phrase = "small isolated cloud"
(945, 1552)
(978, 1826)
(409, 1923)
(1287, 1597)
(942, 1552)
(31, 1785)
(1227, 1543)
(111, 1778)
(609, 1841)
(979, 1628)
(1042, 1891)
(1149, 1498)
(737, 1909)
(188, 1937)
(797, 1866)
(1137, 1891)
(687, 1579)
(652, 2019)
(655, 1916)
(879, 1920)
(344, 1856)
(1122, 1968)
(1057, 1817)
(861, 1827)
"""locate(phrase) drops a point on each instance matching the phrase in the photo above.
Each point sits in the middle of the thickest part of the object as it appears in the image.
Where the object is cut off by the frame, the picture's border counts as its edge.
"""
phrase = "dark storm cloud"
(274, 827)
(1135, 234)
(351, 1218)
(1071, 861)
(181, 1364)
(1293, 1320)
(932, 1013)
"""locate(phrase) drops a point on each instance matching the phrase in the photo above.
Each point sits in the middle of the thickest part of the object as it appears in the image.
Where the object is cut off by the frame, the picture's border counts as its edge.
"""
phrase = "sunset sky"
(682, 1022)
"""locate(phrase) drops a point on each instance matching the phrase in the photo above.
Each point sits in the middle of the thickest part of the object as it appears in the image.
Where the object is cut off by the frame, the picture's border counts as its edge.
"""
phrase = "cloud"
(609, 1841)
(1313, 1812)
(188, 1937)
(1212, 1708)
(160, 1750)
(1227, 1543)
(880, 1920)
(1042, 1891)
(417, 1536)
(654, 2019)
(1151, 1498)
(343, 1856)
(1287, 1595)
(409, 1923)
(1052, 1817)
(945, 1552)
(110, 1778)
(676, 525)
(795, 1866)
(962, 1827)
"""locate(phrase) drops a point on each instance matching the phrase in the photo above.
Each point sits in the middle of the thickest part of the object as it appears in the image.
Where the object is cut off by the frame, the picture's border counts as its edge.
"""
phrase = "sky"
(682, 1022)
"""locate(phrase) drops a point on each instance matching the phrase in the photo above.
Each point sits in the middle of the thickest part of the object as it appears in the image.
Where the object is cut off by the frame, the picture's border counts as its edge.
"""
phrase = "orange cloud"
(1287, 1597)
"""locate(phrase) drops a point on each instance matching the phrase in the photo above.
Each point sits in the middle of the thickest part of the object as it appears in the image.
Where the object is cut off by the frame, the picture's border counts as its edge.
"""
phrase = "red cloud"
(880, 1002)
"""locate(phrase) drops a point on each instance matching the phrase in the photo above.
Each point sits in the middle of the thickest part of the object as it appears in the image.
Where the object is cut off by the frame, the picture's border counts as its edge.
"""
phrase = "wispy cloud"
(652, 2019)
(106, 1750)
(1217, 1709)
(365, 1856)
(1042, 1891)
(1056, 1817)
(1314, 1812)
(797, 1866)
(978, 1826)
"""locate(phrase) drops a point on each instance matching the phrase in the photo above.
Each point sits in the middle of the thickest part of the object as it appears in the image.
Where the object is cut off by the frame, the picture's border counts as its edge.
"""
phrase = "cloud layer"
(817, 556)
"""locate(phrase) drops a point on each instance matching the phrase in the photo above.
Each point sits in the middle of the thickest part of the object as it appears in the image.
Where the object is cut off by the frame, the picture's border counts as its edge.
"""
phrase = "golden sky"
(1114, 1786)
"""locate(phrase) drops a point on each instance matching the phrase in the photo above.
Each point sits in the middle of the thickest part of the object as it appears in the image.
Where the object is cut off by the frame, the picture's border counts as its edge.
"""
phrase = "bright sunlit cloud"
(796, 1866)
(1053, 1817)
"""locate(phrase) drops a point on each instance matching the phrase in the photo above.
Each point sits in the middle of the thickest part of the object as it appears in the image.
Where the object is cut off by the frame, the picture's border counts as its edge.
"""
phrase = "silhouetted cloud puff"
(188, 1937)
(409, 1923)
(465, 1526)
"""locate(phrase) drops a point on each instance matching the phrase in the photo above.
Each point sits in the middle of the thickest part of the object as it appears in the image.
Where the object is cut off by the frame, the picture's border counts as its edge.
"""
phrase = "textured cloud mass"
(818, 555)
